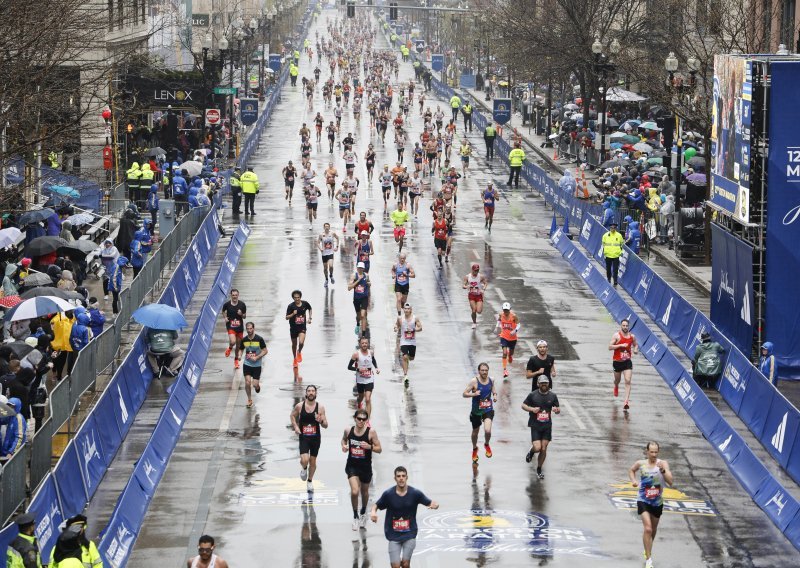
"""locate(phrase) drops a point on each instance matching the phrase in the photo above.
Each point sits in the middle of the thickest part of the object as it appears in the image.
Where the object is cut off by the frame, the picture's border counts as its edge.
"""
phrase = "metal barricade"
(41, 453)
(60, 407)
(117, 199)
(14, 474)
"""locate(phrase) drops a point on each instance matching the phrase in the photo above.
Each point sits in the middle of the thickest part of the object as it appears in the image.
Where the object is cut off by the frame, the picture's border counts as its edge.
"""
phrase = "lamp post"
(253, 27)
(208, 71)
(679, 89)
(604, 68)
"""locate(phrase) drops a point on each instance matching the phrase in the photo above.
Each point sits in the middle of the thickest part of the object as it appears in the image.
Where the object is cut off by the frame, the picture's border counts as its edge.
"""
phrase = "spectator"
(567, 183)
(766, 363)
(127, 228)
(54, 225)
(108, 256)
(138, 258)
(20, 387)
(23, 552)
(9, 287)
(115, 279)
(81, 335)
(8, 377)
(153, 203)
(62, 350)
(96, 316)
(180, 192)
(707, 363)
(608, 214)
(666, 218)
(634, 237)
(161, 342)
(66, 282)
(16, 431)
(66, 232)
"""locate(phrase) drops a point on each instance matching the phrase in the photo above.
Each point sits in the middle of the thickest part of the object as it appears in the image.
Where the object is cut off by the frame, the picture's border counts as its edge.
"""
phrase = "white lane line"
(224, 425)
(573, 414)
(477, 256)
(530, 346)
(500, 293)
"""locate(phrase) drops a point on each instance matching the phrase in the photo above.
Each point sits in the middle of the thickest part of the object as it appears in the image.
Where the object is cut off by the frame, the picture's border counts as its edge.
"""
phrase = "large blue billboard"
(783, 211)
(732, 287)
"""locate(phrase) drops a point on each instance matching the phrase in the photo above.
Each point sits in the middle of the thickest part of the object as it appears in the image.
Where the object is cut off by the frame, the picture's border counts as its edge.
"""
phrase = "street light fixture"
(679, 88)
(782, 50)
(605, 69)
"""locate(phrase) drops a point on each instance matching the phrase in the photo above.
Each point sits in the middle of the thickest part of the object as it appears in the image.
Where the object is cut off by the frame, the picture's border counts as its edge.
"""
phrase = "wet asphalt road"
(234, 474)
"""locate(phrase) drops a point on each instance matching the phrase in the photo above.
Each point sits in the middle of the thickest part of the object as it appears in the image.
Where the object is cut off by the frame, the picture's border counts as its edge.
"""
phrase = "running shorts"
(237, 334)
(511, 344)
(399, 232)
(620, 366)
(361, 303)
(364, 387)
(326, 258)
(642, 507)
(312, 206)
(252, 372)
(296, 331)
(477, 419)
(363, 473)
(475, 297)
(541, 432)
(310, 445)
(410, 350)
(401, 288)
(440, 243)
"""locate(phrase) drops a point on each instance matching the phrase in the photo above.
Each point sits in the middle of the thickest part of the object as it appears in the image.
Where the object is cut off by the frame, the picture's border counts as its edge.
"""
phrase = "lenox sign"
(177, 95)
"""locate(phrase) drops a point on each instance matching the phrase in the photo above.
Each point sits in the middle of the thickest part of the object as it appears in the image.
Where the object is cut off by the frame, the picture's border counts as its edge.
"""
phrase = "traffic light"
(351, 10)
(393, 10)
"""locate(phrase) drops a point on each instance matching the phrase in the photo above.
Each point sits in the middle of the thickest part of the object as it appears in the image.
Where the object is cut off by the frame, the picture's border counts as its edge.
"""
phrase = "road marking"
(477, 256)
(500, 293)
(573, 415)
(231, 404)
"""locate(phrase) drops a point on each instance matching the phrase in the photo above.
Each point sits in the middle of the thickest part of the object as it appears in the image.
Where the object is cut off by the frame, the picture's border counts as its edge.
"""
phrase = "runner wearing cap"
(407, 325)
(489, 197)
(484, 396)
(508, 323)
(475, 283)
(540, 404)
(328, 243)
(359, 283)
(364, 249)
(401, 274)
(363, 363)
(399, 218)
(541, 365)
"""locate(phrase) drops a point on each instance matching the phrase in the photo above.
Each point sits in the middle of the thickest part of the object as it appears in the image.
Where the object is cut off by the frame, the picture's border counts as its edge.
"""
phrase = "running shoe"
(357, 330)
(326, 283)
(627, 405)
(648, 563)
(310, 486)
(362, 520)
(616, 390)
(304, 474)
(236, 363)
(540, 475)
(250, 403)
(529, 456)
(474, 326)
(488, 449)
(505, 372)
(405, 381)
(299, 357)
(332, 280)
(474, 455)
(228, 352)
(354, 525)
(257, 388)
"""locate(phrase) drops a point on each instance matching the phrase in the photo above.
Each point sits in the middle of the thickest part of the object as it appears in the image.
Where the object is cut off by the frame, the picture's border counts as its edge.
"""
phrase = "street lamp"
(606, 69)
(782, 50)
(679, 88)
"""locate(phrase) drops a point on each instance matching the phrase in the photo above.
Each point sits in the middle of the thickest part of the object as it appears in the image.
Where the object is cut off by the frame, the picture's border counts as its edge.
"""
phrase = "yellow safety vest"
(612, 244)
(516, 157)
(249, 182)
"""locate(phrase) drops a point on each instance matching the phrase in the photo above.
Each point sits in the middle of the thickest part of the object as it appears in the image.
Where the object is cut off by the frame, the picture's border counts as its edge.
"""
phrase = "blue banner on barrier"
(123, 528)
(753, 411)
(150, 468)
(104, 415)
(68, 476)
(653, 350)
(700, 324)
(727, 441)
(793, 467)
(778, 503)
(7, 535)
(780, 429)
(656, 291)
(732, 288)
(750, 472)
(91, 454)
(677, 316)
(47, 511)
(736, 375)
(670, 368)
(704, 413)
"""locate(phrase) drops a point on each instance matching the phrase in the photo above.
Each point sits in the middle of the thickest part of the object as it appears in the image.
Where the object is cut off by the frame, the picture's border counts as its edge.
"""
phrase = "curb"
(700, 284)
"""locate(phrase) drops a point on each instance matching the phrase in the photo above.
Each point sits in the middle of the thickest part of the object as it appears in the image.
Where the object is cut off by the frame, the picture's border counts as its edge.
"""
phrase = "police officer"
(90, 556)
(132, 179)
(515, 159)
(293, 71)
(466, 110)
(455, 104)
(146, 178)
(23, 552)
(68, 553)
(489, 135)
(612, 250)
(249, 183)
(236, 190)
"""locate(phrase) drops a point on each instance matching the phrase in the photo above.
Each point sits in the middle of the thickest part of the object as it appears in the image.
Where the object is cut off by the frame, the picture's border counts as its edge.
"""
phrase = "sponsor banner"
(437, 61)
(753, 410)
(68, 477)
(736, 375)
(732, 288)
(780, 429)
(248, 111)
(783, 210)
(46, 509)
(92, 458)
(501, 112)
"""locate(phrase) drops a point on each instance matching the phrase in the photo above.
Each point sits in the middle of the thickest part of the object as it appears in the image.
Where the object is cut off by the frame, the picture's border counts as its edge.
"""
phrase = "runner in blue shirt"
(652, 474)
(489, 197)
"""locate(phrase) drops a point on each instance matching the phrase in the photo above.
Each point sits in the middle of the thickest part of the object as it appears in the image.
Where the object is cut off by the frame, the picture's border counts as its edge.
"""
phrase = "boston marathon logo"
(487, 531)
(624, 497)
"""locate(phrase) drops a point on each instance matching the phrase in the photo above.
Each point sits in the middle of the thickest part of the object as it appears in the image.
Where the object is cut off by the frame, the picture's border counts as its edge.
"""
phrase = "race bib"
(357, 452)
(363, 257)
(235, 323)
(401, 524)
(624, 355)
(299, 320)
(409, 334)
(328, 245)
(365, 372)
(309, 430)
(652, 492)
(485, 403)
(543, 416)
(251, 356)
(401, 278)
(360, 288)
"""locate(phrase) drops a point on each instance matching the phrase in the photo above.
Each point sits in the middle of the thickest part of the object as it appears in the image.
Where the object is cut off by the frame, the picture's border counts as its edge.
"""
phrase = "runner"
(623, 344)
(352, 184)
(363, 224)
(235, 311)
(465, 152)
(369, 158)
(401, 273)
(489, 197)
(400, 527)
(328, 243)
(399, 218)
(359, 442)
(312, 195)
(653, 473)
(331, 130)
(540, 404)
(307, 418)
(415, 192)
(205, 555)
(289, 173)
(330, 174)
(483, 394)
(343, 197)
(255, 348)
(363, 363)
(408, 325)
(359, 284)
(475, 283)
(439, 232)
(364, 249)
(508, 323)
(386, 184)
(299, 315)
(541, 365)
(450, 219)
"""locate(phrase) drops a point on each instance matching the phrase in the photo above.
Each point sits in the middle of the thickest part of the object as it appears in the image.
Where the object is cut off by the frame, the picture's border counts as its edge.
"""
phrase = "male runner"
(541, 365)
(235, 311)
(386, 184)
(299, 315)
(312, 194)
(307, 418)
(359, 283)
(401, 272)
(289, 173)
(623, 344)
(255, 348)
(508, 323)
(330, 174)
(540, 404)
(359, 442)
(363, 224)
(399, 218)
(205, 555)
(331, 129)
(364, 249)
(475, 283)
(328, 243)
(363, 363)
(343, 196)
(483, 394)
(653, 473)
(408, 325)
(489, 196)
(439, 232)
(400, 527)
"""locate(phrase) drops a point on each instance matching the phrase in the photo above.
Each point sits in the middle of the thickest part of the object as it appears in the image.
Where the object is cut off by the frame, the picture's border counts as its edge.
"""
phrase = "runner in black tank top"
(307, 422)
(359, 442)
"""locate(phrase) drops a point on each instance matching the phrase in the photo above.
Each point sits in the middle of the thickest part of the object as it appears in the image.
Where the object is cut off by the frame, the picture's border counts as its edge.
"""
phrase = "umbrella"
(650, 125)
(642, 147)
(571, 106)
(553, 136)
(20, 348)
(630, 139)
(160, 316)
(192, 168)
(40, 306)
(617, 135)
(80, 219)
(78, 249)
(43, 245)
(268, 70)
(697, 163)
(612, 122)
(630, 124)
(655, 161)
(157, 151)
(50, 291)
(9, 237)
(620, 162)
(35, 216)
(615, 145)
(697, 179)
(37, 279)
(64, 190)
(10, 301)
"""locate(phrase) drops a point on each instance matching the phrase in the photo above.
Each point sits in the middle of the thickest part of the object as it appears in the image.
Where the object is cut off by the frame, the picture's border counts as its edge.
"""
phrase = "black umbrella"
(153, 152)
(50, 291)
(44, 245)
(698, 163)
(77, 249)
(35, 216)
(623, 163)
(612, 122)
(20, 348)
(37, 279)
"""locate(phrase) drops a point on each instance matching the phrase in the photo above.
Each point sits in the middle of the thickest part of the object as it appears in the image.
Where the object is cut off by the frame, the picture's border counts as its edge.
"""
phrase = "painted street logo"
(487, 531)
(624, 497)
(287, 492)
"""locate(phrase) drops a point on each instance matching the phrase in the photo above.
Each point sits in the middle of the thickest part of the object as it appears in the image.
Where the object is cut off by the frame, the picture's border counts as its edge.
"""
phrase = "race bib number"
(235, 323)
(251, 356)
(401, 278)
(401, 524)
(300, 320)
(328, 245)
(365, 372)
(409, 334)
(543, 416)
(652, 492)
(363, 257)
(485, 403)
(360, 288)
(357, 451)
(309, 430)
(624, 355)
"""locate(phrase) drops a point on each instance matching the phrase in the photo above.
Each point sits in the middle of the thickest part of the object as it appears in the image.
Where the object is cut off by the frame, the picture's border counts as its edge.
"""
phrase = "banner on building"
(732, 288)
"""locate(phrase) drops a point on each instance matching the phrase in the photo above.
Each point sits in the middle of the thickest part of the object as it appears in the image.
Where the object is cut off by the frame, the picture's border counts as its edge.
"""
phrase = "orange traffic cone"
(555, 151)
(585, 187)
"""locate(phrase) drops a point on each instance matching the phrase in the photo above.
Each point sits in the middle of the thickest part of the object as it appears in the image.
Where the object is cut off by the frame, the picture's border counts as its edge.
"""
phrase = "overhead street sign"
(226, 91)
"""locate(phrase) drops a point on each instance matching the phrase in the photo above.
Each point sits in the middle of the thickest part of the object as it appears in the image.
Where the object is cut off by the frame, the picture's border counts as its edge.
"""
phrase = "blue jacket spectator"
(636, 200)
(152, 198)
(608, 214)
(115, 277)
(145, 236)
(767, 363)
(179, 185)
(81, 335)
(16, 430)
(97, 319)
(567, 183)
(193, 198)
(54, 225)
(634, 240)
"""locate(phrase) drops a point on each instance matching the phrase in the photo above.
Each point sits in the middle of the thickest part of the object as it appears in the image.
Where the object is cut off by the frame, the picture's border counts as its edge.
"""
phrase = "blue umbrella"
(160, 316)
(35, 216)
(64, 190)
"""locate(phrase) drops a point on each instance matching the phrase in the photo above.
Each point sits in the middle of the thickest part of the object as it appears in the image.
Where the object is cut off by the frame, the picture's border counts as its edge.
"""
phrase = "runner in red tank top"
(624, 346)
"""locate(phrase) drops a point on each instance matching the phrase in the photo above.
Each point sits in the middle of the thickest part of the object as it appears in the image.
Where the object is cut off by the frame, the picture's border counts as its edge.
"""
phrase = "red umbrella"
(10, 301)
